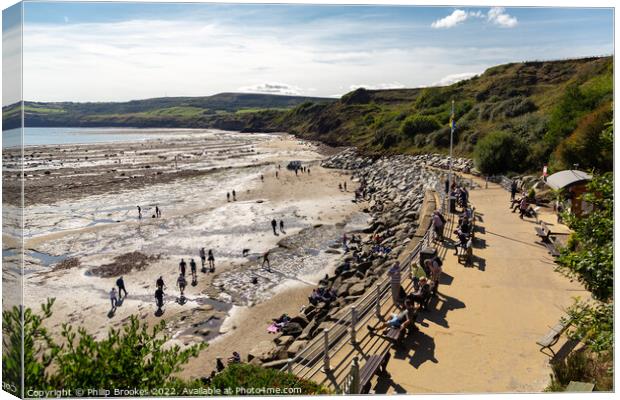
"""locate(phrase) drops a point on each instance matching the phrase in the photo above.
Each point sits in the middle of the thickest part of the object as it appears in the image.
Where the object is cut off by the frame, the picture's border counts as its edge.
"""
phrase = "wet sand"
(93, 226)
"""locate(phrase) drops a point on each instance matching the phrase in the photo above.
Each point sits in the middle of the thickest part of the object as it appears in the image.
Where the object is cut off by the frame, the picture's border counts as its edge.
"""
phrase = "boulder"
(296, 347)
(357, 289)
(264, 351)
(284, 340)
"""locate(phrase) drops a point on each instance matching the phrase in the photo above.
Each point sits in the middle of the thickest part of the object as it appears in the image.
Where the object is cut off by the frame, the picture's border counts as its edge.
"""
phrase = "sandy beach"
(83, 231)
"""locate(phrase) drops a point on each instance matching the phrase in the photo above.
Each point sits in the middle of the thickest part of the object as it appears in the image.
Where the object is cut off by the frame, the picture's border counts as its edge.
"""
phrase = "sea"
(45, 136)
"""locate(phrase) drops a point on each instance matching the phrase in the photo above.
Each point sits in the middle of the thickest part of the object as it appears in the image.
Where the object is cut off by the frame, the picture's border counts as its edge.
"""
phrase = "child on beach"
(113, 299)
(181, 283)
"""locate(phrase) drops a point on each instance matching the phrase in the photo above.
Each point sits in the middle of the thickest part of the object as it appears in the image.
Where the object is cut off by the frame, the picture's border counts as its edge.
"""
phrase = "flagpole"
(451, 135)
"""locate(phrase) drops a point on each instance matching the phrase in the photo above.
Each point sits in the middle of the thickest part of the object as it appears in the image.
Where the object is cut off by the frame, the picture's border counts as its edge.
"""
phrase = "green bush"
(416, 124)
(500, 152)
(588, 145)
(133, 357)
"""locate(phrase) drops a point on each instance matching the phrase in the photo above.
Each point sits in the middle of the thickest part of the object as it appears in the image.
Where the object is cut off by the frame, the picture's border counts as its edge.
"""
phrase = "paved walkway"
(480, 335)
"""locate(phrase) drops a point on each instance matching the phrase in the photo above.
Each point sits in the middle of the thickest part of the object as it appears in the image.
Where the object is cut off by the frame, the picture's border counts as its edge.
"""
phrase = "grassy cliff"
(541, 105)
(536, 113)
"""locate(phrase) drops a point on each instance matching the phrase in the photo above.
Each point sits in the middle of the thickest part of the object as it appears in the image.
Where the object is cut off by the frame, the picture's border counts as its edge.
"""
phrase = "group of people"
(322, 294)
(274, 226)
(521, 203)
(156, 215)
(342, 186)
(116, 297)
(234, 196)
(410, 304)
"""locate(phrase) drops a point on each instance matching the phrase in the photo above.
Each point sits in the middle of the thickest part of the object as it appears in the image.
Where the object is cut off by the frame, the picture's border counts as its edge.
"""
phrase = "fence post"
(353, 323)
(289, 365)
(354, 387)
(326, 366)
(378, 302)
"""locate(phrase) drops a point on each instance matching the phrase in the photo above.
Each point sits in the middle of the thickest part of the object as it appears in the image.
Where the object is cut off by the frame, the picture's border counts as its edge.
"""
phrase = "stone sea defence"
(394, 189)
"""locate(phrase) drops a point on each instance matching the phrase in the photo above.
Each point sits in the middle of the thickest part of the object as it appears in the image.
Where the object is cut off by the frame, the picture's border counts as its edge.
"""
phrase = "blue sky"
(123, 51)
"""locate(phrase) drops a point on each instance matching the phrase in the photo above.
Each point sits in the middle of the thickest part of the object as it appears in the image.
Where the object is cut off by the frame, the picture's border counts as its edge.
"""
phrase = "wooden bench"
(375, 363)
(545, 236)
(467, 254)
(576, 386)
(552, 337)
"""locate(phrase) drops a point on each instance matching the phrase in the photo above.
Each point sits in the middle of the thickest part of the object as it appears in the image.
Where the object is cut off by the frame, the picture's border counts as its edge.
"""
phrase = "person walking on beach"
(192, 268)
(228, 197)
(262, 178)
(274, 225)
(182, 266)
(113, 298)
(181, 283)
(234, 195)
(345, 186)
(159, 299)
(277, 174)
(394, 273)
(160, 283)
(266, 261)
(157, 212)
(282, 227)
(340, 187)
(139, 212)
(308, 171)
(121, 287)
(211, 261)
(203, 258)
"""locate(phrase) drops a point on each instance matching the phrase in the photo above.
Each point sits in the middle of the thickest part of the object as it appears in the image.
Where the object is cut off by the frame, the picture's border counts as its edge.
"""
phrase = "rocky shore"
(393, 190)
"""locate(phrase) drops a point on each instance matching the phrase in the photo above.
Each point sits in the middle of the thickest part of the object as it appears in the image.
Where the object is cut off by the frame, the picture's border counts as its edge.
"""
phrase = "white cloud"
(457, 17)
(378, 86)
(498, 16)
(272, 88)
(454, 78)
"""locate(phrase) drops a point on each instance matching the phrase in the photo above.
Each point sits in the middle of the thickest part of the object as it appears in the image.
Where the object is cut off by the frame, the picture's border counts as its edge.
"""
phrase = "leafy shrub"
(500, 152)
(588, 145)
(432, 97)
(416, 124)
(133, 357)
(592, 262)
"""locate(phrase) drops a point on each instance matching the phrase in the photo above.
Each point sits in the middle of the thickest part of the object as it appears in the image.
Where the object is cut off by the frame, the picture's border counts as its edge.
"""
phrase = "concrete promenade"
(481, 333)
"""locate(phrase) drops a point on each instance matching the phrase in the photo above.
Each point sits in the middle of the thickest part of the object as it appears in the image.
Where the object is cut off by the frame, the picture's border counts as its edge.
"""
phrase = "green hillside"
(224, 110)
(518, 116)
(542, 105)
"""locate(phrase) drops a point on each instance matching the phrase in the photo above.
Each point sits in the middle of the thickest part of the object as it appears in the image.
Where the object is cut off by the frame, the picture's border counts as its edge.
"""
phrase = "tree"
(500, 152)
(591, 258)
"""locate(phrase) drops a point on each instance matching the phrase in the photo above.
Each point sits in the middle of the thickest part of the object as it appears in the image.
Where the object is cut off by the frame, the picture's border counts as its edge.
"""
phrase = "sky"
(124, 51)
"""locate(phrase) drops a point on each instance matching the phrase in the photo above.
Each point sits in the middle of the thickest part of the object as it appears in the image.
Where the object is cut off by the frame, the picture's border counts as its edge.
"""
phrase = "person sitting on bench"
(403, 320)
(463, 237)
(422, 294)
